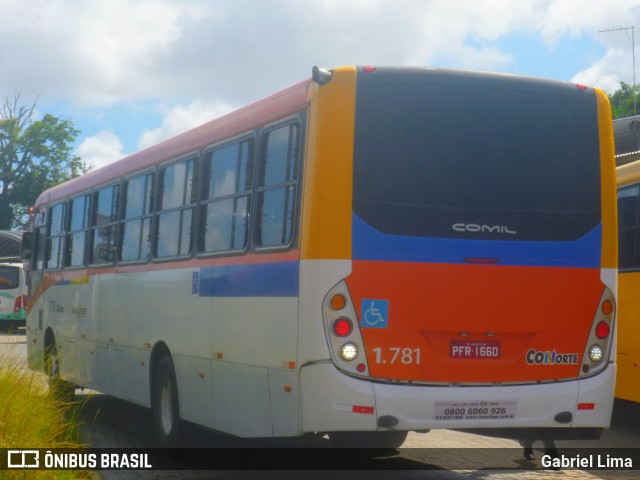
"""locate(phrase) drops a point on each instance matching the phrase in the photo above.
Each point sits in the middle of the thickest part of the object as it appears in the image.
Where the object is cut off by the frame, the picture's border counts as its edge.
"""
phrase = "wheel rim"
(166, 406)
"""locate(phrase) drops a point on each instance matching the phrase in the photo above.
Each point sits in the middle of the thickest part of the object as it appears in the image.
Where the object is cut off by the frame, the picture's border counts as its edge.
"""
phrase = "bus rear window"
(464, 155)
(9, 278)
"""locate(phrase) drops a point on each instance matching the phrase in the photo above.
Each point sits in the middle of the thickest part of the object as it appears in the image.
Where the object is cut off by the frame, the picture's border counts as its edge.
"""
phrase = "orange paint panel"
(608, 181)
(325, 231)
(521, 311)
(628, 358)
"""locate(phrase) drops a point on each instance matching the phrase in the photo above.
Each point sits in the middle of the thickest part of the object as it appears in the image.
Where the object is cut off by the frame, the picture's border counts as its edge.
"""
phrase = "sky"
(131, 73)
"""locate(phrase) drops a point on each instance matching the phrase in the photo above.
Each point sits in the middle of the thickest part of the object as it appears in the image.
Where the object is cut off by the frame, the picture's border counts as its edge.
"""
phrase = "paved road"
(110, 423)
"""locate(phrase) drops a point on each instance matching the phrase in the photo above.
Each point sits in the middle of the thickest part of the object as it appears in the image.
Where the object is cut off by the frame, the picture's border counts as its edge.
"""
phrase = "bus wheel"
(378, 439)
(166, 414)
(60, 389)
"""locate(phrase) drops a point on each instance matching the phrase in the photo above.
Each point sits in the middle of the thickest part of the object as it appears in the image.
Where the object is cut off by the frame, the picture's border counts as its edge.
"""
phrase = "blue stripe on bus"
(278, 279)
(370, 244)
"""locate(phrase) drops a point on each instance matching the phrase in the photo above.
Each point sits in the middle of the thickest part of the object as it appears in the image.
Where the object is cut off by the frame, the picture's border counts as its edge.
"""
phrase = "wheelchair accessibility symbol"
(375, 313)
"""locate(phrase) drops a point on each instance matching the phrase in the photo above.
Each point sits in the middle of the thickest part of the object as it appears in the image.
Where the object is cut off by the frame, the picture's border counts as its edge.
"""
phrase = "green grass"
(30, 417)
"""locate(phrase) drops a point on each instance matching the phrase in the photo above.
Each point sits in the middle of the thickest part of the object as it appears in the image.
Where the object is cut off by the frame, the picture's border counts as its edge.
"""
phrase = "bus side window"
(104, 225)
(135, 227)
(226, 190)
(55, 234)
(277, 188)
(629, 227)
(76, 246)
(176, 207)
(39, 234)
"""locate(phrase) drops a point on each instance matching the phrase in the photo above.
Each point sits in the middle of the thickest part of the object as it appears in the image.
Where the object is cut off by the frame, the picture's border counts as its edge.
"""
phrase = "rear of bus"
(13, 297)
(472, 282)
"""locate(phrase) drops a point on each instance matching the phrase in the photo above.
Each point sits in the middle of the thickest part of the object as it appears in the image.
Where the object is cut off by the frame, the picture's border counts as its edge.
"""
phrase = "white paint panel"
(130, 374)
(241, 400)
(103, 383)
(597, 389)
(88, 364)
(194, 389)
(255, 331)
(283, 397)
(327, 398)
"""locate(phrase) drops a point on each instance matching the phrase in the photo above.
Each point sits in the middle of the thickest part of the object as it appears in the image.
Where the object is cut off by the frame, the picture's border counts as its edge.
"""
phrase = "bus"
(13, 295)
(628, 352)
(369, 252)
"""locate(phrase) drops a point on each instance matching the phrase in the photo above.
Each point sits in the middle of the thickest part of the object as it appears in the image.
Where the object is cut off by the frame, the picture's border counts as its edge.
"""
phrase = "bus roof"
(270, 109)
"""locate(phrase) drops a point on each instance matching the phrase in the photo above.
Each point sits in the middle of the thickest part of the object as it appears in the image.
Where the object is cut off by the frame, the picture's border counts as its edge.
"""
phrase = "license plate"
(474, 349)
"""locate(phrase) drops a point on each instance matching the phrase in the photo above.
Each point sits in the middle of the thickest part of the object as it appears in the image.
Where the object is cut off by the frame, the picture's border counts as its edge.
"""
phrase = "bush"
(30, 417)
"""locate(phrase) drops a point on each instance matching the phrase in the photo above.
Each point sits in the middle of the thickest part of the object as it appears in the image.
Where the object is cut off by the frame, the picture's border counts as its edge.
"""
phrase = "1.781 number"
(395, 355)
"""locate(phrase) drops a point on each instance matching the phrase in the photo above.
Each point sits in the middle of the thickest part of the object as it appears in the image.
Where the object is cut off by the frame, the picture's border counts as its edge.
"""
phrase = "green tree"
(622, 101)
(35, 154)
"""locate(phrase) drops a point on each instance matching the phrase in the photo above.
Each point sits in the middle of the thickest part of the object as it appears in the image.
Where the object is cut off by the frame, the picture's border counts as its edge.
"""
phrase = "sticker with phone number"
(475, 410)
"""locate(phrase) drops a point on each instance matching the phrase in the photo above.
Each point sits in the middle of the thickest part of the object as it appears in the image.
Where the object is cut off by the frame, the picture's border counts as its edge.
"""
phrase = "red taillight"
(342, 327)
(369, 69)
(602, 330)
(586, 406)
(21, 302)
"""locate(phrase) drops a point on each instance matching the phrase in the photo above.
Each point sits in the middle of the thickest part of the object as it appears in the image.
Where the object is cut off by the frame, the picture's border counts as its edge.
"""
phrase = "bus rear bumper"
(332, 401)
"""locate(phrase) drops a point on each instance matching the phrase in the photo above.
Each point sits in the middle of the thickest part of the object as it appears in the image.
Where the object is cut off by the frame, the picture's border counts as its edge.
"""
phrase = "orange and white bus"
(369, 252)
(628, 358)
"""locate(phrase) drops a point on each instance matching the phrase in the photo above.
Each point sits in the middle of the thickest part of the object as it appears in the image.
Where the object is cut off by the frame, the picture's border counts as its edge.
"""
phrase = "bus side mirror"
(26, 250)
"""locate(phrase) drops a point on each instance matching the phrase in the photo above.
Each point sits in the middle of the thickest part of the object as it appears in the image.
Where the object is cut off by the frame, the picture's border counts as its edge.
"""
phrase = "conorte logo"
(475, 228)
(23, 459)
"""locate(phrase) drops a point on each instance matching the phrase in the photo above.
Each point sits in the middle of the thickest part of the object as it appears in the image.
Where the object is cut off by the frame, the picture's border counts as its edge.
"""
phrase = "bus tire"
(378, 439)
(166, 411)
(60, 389)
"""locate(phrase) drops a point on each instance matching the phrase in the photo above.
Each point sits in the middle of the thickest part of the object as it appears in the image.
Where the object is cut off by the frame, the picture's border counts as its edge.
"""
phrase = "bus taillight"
(602, 330)
(338, 301)
(349, 351)
(599, 342)
(596, 353)
(21, 302)
(343, 333)
(342, 327)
